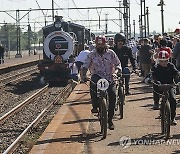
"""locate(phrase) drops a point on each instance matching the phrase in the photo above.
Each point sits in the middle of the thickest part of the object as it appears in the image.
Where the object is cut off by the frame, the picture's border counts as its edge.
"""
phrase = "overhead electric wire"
(137, 2)
(63, 11)
(78, 9)
(40, 8)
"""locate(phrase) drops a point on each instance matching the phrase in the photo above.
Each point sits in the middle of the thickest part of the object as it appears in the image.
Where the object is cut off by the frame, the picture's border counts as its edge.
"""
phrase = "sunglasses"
(163, 61)
(120, 41)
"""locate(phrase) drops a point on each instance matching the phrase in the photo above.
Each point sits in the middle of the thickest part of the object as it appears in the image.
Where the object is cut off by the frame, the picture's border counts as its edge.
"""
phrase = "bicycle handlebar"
(164, 87)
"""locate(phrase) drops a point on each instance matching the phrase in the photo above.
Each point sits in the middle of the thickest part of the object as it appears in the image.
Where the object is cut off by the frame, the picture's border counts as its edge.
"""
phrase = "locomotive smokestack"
(58, 18)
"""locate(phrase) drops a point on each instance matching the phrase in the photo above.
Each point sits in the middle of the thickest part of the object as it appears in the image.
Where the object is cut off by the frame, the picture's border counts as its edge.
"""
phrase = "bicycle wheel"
(121, 101)
(162, 117)
(103, 117)
(167, 119)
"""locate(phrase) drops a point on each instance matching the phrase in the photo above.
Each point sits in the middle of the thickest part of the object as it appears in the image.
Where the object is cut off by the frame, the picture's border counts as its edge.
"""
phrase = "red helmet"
(100, 39)
(163, 55)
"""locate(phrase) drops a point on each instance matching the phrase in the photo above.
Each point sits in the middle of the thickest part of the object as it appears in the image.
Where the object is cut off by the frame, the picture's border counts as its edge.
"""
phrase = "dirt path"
(139, 131)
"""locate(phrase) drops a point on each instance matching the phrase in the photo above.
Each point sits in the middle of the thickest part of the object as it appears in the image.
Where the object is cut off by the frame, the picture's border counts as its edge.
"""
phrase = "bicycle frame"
(120, 96)
(102, 95)
(165, 111)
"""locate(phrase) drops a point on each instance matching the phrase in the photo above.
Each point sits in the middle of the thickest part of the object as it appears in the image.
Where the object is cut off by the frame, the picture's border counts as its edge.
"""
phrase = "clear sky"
(171, 12)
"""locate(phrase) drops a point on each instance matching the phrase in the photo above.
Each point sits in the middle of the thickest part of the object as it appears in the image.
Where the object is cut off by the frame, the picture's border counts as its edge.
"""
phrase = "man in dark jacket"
(145, 54)
(176, 54)
(1, 54)
(124, 54)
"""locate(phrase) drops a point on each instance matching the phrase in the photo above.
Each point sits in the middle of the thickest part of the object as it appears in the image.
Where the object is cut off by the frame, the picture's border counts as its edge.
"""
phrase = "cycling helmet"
(119, 36)
(100, 39)
(163, 55)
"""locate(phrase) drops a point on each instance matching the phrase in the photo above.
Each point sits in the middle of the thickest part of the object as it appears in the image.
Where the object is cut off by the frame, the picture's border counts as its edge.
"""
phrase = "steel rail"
(19, 78)
(14, 145)
(18, 107)
(15, 75)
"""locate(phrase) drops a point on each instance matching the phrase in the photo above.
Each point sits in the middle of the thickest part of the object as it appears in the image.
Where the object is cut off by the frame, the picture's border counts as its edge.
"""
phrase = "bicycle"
(165, 110)
(102, 95)
(120, 94)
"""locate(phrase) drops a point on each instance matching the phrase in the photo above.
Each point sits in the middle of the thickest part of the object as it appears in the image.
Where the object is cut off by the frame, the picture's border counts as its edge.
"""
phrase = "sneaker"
(156, 107)
(94, 110)
(173, 122)
(111, 125)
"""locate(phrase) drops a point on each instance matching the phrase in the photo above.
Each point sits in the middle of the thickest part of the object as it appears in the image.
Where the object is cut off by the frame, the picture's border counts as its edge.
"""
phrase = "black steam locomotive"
(61, 40)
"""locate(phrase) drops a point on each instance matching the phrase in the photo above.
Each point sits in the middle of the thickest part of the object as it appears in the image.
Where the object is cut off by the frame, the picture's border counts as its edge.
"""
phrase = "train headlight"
(57, 25)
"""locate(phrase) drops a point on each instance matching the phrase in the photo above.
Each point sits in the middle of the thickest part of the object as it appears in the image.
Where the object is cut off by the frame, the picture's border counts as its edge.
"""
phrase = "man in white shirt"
(73, 68)
(81, 57)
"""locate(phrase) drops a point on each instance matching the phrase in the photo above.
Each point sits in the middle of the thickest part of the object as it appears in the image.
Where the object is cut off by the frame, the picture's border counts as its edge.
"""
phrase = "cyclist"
(103, 63)
(124, 53)
(165, 72)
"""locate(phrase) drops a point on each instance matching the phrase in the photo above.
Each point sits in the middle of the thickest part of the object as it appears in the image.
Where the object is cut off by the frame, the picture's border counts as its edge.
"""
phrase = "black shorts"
(79, 64)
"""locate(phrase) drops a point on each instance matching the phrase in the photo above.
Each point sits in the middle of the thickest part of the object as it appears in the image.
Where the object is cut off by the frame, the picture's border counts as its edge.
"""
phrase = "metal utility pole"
(29, 38)
(34, 39)
(18, 54)
(161, 3)
(134, 25)
(126, 18)
(99, 15)
(129, 23)
(106, 26)
(120, 17)
(143, 19)
(140, 26)
(88, 19)
(6, 35)
(147, 14)
(52, 10)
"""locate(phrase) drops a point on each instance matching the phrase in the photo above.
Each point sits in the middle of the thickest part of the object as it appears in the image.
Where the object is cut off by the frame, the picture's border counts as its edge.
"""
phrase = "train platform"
(74, 130)
(11, 63)
(66, 132)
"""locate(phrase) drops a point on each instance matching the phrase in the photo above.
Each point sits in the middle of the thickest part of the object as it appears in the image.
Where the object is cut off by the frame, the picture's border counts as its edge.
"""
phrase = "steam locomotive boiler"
(61, 40)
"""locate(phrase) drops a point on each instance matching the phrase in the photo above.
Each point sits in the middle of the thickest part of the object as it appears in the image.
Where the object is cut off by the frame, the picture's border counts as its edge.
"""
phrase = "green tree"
(8, 37)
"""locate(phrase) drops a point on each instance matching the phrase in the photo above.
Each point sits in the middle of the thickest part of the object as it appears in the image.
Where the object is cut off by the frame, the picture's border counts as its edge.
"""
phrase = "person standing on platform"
(73, 68)
(145, 54)
(176, 54)
(80, 59)
(1, 54)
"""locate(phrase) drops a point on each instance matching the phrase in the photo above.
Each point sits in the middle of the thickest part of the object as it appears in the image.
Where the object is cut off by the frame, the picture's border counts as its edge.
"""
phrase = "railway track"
(17, 122)
(16, 86)
(18, 107)
(17, 76)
